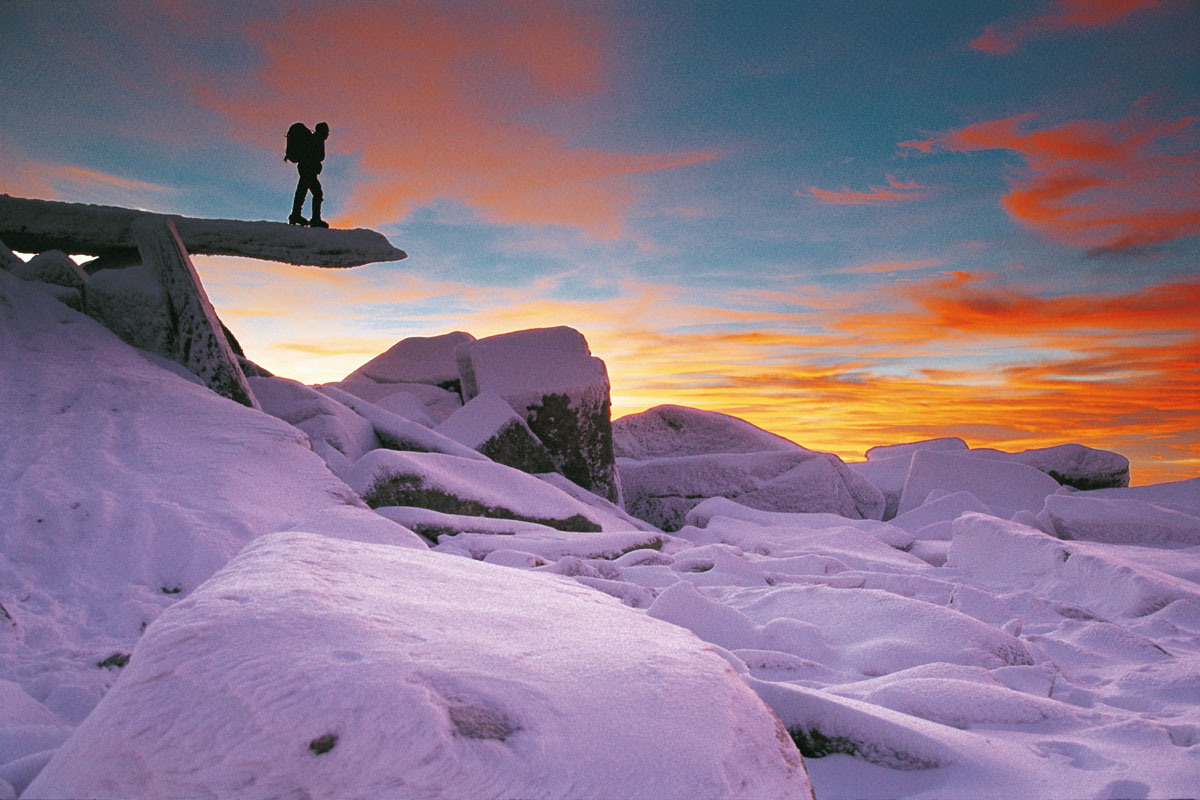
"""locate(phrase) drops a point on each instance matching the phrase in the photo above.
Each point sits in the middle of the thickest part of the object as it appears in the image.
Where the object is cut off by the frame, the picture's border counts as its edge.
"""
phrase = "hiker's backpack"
(298, 138)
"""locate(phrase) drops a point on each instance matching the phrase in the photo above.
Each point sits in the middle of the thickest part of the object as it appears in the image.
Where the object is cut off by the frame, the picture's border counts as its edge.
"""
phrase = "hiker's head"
(322, 130)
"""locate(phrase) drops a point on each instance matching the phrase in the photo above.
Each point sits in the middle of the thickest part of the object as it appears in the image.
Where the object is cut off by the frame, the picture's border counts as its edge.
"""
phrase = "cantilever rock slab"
(33, 226)
(121, 237)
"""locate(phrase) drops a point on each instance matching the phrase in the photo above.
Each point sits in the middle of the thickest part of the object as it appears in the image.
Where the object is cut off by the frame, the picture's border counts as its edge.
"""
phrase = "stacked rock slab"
(549, 377)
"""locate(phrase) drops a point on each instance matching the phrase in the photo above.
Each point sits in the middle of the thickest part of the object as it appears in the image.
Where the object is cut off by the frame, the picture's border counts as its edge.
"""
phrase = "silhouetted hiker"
(307, 149)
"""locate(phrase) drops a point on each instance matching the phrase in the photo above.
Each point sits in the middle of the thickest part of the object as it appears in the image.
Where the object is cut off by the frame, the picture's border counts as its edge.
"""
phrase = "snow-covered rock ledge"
(34, 226)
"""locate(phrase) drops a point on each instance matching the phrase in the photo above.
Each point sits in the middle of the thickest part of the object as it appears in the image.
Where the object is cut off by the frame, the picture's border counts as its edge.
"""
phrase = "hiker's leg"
(318, 196)
(298, 200)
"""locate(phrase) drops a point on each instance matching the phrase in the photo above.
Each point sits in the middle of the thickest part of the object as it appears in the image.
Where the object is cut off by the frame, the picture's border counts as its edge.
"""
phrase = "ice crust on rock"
(131, 303)
(432, 683)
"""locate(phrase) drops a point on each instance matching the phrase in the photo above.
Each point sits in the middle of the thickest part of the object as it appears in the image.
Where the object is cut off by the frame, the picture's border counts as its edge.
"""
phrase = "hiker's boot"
(316, 220)
(296, 219)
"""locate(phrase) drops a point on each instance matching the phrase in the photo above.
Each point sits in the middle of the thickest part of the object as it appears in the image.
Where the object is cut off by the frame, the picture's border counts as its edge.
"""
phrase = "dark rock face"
(549, 377)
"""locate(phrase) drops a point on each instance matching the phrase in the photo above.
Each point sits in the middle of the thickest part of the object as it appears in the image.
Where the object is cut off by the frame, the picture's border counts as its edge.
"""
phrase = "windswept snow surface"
(1002, 637)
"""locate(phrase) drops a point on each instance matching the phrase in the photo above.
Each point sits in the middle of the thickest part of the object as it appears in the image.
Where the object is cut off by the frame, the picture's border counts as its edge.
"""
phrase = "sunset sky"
(851, 223)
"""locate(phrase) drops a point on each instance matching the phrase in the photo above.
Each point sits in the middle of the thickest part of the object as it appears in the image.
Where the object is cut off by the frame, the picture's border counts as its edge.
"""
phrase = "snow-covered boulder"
(1177, 495)
(52, 266)
(945, 444)
(549, 376)
(1078, 516)
(932, 520)
(489, 425)
(670, 431)
(8, 259)
(1007, 556)
(418, 359)
(888, 476)
(319, 668)
(1071, 464)
(437, 403)
(399, 433)
(663, 490)
(1005, 487)
(460, 486)
(132, 303)
(322, 418)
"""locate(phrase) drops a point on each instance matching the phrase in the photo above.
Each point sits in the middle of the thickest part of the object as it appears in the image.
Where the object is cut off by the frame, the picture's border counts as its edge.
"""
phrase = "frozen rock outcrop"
(1003, 486)
(198, 341)
(1071, 464)
(132, 303)
(417, 359)
(8, 259)
(489, 425)
(432, 683)
(327, 422)
(51, 266)
(1097, 519)
(549, 376)
(663, 490)
(32, 226)
(949, 444)
(457, 485)
(670, 431)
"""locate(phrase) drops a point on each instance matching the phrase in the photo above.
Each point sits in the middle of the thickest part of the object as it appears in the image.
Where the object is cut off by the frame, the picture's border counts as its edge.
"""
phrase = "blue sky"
(852, 223)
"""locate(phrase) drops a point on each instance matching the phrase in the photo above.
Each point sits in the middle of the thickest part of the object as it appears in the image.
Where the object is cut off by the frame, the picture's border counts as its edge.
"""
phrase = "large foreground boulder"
(312, 667)
(549, 377)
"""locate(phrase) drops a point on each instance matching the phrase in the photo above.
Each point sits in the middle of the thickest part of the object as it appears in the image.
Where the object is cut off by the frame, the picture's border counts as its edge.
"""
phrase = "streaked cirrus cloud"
(896, 191)
(1060, 17)
(1092, 183)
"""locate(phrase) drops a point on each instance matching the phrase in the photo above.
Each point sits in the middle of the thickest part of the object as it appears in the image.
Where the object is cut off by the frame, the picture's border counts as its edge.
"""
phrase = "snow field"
(1001, 637)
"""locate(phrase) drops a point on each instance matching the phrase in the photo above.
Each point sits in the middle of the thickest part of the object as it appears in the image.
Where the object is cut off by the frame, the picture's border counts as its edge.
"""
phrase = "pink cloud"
(447, 102)
(896, 191)
(1061, 16)
(1094, 184)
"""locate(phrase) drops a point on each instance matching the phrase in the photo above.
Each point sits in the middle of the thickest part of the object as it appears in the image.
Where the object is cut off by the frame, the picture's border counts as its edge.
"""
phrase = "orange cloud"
(1061, 16)
(1093, 184)
(459, 102)
(895, 192)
